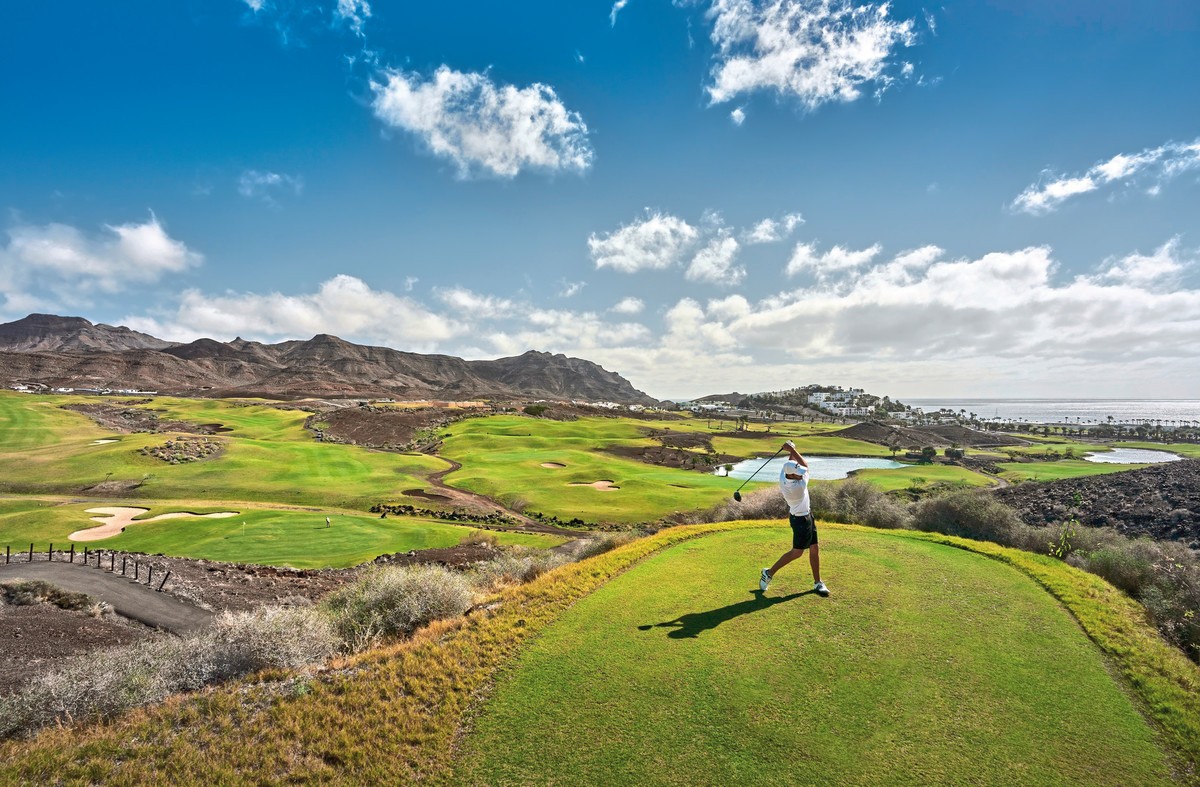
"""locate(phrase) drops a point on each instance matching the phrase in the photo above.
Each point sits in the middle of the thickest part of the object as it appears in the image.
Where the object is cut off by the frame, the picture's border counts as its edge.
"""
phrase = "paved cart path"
(128, 598)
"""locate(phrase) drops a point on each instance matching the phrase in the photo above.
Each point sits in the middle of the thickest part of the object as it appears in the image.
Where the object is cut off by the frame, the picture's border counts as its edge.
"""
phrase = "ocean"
(1060, 411)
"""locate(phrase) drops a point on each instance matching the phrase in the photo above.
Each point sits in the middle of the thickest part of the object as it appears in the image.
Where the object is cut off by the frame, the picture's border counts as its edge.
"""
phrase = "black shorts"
(804, 531)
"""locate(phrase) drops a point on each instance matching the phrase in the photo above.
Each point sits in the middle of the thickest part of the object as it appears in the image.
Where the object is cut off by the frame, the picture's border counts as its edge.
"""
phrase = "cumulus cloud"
(714, 263)
(658, 241)
(806, 259)
(484, 127)
(629, 305)
(472, 305)
(772, 230)
(343, 305)
(813, 50)
(738, 116)
(1149, 169)
(60, 263)
(253, 184)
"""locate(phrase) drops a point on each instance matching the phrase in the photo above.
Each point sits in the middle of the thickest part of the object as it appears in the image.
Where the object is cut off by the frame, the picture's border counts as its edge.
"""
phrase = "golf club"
(737, 495)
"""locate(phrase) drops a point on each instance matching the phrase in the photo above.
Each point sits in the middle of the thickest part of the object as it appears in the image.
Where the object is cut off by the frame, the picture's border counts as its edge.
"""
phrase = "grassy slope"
(925, 476)
(395, 716)
(926, 661)
(1054, 471)
(270, 537)
(1188, 450)
(503, 456)
(269, 457)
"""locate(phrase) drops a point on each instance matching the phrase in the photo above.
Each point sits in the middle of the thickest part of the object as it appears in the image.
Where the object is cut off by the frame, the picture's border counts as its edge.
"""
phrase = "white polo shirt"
(795, 492)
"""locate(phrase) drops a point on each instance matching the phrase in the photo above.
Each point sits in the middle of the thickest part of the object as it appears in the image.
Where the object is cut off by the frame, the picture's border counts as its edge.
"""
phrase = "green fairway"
(503, 458)
(925, 477)
(268, 457)
(1055, 471)
(928, 665)
(268, 537)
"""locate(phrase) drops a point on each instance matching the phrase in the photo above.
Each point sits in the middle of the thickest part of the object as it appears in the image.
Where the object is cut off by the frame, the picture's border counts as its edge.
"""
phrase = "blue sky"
(968, 199)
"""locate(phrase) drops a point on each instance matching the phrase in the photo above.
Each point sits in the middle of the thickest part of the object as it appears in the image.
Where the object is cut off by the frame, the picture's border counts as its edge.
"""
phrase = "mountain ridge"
(74, 352)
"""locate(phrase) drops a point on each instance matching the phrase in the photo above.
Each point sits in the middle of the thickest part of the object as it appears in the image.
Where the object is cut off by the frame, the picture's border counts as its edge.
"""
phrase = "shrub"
(967, 514)
(395, 600)
(536, 410)
(101, 685)
(515, 567)
(480, 538)
(598, 545)
(855, 501)
(24, 592)
(1120, 567)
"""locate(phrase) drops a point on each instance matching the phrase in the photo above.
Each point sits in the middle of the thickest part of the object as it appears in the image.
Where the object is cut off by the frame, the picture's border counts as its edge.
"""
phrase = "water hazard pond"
(1133, 456)
(823, 468)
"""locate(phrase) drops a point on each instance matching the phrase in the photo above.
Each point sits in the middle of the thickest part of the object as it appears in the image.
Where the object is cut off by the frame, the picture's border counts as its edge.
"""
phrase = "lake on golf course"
(823, 468)
(1133, 456)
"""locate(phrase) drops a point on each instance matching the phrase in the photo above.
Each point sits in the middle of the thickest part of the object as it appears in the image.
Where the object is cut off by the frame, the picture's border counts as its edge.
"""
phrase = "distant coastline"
(1070, 411)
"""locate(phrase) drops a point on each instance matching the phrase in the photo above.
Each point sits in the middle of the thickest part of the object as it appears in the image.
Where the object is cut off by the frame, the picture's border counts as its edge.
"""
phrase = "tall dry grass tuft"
(103, 684)
(395, 600)
(858, 502)
(515, 567)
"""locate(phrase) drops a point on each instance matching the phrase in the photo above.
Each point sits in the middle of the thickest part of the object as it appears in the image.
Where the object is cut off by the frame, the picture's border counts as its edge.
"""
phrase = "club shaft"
(764, 464)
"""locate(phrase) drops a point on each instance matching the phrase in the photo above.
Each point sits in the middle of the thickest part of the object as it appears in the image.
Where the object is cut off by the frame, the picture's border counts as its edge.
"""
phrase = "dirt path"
(473, 500)
(128, 598)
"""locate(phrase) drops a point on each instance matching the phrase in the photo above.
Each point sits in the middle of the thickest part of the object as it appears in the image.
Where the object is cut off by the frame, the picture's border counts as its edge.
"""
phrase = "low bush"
(858, 502)
(969, 515)
(515, 567)
(24, 592)
(584, 548)
(102, 685)
(395, 600)
(480, 538)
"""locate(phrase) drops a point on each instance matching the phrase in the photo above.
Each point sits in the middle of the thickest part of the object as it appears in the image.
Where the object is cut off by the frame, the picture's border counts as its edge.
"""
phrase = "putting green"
(929, 665)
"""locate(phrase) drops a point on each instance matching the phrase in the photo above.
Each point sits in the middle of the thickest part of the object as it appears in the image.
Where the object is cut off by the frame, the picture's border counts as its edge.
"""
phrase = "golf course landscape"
(935, 660)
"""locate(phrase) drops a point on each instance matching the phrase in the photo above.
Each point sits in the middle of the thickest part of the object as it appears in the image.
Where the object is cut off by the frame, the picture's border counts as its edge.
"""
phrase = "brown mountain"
(48, 333)
(74, 353)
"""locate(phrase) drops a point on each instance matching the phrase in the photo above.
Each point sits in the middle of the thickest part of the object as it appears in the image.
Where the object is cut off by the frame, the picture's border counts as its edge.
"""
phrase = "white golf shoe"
(764, 579)
(820, 589)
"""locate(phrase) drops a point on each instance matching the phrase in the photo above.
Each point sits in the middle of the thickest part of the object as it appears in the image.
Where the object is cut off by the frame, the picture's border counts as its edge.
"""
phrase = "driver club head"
(737, 496)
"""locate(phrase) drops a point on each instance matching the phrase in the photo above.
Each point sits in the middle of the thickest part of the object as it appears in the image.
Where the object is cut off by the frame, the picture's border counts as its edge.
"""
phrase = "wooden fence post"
(7, 553)
(50, 552)
(112, 562)
(72, 553)
(150, 576)
(135, 570)
(31, 553)
(123, 559)
(164, 581)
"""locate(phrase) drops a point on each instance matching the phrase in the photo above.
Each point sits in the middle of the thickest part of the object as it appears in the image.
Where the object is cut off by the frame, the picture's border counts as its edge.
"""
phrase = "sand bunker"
(117, 518)
(603, 486)
(553, 465)
(105, 441)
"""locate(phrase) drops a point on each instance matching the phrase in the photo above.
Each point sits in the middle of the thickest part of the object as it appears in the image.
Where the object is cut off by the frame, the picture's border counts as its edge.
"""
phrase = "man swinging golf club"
(793, 483)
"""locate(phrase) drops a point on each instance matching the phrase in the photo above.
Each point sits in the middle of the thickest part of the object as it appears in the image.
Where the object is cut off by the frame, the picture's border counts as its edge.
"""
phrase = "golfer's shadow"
(689, 626)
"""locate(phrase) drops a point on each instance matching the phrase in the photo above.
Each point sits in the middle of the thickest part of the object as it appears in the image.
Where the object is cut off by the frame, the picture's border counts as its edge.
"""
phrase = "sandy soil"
(117, 518)
(603, 486)
(553, 465)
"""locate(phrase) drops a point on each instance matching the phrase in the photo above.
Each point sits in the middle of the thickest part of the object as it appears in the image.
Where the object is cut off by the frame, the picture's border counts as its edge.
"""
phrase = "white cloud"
(1149, 169)
(616, 9)
(714, 263)
(805, 258)
(468, 305)
(255, 5)
(738, 116)
(410, 282)
(344, 306)
(1153, 271)
(658, 241)
(772, 230)
(815, 50)
(571, 288)
(59, 263)
(482, 126)
(629, 305)
(354, 13)
(263, 185)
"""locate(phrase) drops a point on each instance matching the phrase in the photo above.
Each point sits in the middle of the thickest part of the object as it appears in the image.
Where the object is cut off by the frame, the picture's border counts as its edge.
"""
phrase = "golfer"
(793, 483)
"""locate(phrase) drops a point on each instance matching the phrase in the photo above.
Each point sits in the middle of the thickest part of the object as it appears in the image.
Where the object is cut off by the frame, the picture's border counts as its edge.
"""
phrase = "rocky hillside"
(72, 352)
(1161, 501)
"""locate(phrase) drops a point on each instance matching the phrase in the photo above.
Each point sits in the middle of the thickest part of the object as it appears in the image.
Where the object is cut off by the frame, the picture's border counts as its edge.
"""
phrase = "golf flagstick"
(737, 495)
